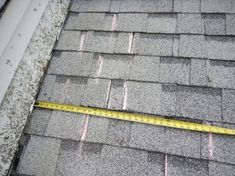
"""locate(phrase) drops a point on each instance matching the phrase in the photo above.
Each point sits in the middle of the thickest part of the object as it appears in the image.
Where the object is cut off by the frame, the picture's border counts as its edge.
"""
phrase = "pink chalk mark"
(210, 146)
(125, 96)
(114, 23)
(82, 40)
(130, 42)
(66, 86)
(100, 63)
(165, 165)
(108, 95)
(84, 128)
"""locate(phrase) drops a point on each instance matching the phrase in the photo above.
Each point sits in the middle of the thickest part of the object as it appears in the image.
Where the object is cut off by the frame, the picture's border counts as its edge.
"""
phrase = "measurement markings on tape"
(133, 117)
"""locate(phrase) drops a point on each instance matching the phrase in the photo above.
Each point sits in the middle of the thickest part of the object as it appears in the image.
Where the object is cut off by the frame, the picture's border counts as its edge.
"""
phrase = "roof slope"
(172, 58)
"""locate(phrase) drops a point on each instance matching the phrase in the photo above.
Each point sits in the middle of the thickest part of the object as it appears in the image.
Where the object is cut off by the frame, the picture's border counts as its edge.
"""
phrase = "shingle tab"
(228, 105)
(230, 24)
(90, 6)
(191, 45)
(132, 22)
(199, 103)
(223, 148)
(174, 70)
(218, 6)
(40, 156)
(97, 129)
(64, 125)
(147, 137)
(38, 121)
(161, 23)
(221, 169)
(222, 48)
(122, 43)
(190, 23)
(214, 24)
(143, 97)
(145, 68)
(199, 72)
(222, 74)
(118, 132)
(96, 93)
(46, 88)
(115, 66)
(153, 44)
(69, 40)
(116, 95)
(123, 161)
(85, 21)
(100, 42)
(182, 142)
(73, 63)
(187, 6)
(178, 166)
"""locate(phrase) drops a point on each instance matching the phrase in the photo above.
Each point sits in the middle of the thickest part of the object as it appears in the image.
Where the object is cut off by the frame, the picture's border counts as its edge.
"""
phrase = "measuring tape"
(146, 119)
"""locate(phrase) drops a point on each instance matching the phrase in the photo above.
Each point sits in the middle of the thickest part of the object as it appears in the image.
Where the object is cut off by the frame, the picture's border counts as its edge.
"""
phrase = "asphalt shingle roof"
(173, 58)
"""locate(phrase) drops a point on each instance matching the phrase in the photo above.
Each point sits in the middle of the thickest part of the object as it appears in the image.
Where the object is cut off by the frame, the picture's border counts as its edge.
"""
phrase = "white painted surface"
(16, 28)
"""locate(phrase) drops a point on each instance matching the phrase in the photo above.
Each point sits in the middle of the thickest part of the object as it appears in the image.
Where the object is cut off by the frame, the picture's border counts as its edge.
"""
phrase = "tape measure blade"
(152, 120)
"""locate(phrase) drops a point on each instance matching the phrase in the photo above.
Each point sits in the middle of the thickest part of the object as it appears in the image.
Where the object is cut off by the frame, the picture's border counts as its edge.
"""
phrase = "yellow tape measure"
(152, 120)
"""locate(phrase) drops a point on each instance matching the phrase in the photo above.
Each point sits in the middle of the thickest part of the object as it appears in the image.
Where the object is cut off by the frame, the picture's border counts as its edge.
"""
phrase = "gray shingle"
(153, 44)
(65, 125)
(143, 97)
(199, 103)
(38, 121)
(191, 45)
(118, 132)
(230, 24)
(73, 63)
(100, 42)
(218, 6)
(156, 163)
(228, 105)
(176, 45)
(178, 166)
(115, 66)
(90, 5)
(214, 24)
(108, 22)
(168, 99)
(187, 6)
(69, 161)
(132, 22)
(69, 40)
(97, 129)
(148, 137)
(46, 88)
(222, 48)
(221, 169)
(190, 23)
(85, 21)
(123, 43)
(145, 68)
(199, 72)
(69, 90)
(164, 5)
(125, 6)
(96, 93)
(222, 74)
(183, 143)
(223, 148)
(161, 23)
(123, 161)
(39, 157)
(174, 70)
(116, 96)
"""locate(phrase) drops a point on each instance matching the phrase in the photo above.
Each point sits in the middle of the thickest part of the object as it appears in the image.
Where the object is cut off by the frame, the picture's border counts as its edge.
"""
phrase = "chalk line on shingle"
(165, 166)
(114, 22)
(210, 146)
(100, 63)
(125, 96)
(82, 40)
(131, 36)
(108, 93)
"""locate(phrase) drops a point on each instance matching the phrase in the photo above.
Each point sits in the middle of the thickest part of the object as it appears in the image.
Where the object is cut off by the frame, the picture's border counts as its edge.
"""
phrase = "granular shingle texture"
(173, 58)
